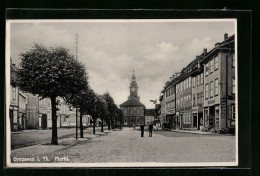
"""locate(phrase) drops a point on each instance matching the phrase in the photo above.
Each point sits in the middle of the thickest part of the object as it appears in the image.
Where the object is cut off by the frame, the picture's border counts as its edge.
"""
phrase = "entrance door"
(211, 117)
(181, 118)
(44, 121)
(195, 120)
(200, 120)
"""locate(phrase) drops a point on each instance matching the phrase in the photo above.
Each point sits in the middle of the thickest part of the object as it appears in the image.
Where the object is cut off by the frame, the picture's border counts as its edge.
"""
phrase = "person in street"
(150, 129)
(142, 130)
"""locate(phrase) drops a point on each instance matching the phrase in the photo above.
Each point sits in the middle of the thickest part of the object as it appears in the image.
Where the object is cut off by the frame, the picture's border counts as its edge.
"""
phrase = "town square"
(121, 92)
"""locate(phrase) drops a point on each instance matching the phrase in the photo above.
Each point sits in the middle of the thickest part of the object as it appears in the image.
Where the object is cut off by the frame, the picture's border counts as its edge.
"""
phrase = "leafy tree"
(52, 73)
(102, 110)
(111, 110)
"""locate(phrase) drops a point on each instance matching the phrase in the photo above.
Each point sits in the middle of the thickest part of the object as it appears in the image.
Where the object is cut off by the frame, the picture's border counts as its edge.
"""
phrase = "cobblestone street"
(128, 146)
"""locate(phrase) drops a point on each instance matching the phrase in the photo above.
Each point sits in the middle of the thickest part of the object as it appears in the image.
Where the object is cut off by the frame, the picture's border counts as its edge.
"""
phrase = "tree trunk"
(102, 124)
(94, 127)
(108, 124)
(54, 134)
(81, 124)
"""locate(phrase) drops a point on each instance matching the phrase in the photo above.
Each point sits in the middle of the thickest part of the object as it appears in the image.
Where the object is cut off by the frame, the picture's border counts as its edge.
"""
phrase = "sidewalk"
(199, 132)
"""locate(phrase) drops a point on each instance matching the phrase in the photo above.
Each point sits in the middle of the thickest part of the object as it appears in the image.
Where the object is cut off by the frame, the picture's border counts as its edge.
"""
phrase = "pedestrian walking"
(142, 130)
(150, 129)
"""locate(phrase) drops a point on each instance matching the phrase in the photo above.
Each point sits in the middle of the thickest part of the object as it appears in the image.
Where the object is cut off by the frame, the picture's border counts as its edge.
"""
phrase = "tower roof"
(131, 102)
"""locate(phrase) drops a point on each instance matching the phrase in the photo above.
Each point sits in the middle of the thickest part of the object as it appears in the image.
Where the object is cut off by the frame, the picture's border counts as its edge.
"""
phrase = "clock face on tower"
(133, 89)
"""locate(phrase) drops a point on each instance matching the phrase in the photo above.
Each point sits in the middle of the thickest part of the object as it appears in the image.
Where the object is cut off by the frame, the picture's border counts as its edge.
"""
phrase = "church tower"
(134, 88)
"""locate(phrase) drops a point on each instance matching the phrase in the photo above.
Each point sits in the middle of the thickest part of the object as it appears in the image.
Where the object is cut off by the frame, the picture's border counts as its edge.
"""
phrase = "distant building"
(22, 110)
(149, 116)
(14, 103)
(32, 117)
(133, 109)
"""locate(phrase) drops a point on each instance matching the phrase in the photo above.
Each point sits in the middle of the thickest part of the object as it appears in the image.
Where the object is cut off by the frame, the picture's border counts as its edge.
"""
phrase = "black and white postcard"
(121, 93)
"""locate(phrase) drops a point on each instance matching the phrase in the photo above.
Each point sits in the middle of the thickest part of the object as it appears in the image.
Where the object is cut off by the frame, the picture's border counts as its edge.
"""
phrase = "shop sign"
(211, 101)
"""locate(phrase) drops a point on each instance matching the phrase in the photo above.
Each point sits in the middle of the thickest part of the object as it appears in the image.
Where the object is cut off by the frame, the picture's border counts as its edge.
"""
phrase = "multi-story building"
(149, 116)
(32, 116)
(22, 110)
(170, 97)
(183, 99)
(133, 109)
(197, 92)
(219, 86)
(43, 113)
(162, 113)
(14, 103)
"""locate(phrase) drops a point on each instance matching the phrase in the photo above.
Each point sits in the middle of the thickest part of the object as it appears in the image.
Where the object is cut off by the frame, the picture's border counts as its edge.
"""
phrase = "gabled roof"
(131, 102)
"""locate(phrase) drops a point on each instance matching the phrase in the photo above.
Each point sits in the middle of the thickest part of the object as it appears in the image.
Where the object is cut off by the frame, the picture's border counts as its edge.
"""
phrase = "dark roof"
(131, 102)
(149, 112)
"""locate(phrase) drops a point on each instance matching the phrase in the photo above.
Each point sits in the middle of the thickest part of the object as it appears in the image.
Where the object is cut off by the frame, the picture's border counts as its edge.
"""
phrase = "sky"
(111, 50)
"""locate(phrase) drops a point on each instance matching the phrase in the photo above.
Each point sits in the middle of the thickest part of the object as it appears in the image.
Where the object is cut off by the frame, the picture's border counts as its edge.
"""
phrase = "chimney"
(173, 77)
(225, 36)
(170, 78)
(217, 44)
(205, 51)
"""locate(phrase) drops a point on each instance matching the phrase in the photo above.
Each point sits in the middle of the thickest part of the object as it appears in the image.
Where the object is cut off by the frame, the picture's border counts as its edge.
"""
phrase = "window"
(189, 82)
(194, 100)
(233, 85)
(14, 93)
(198, 80)
(201, 97)
(211, 66)
(206, 91)
(198, 98)
(233, 111)
(201, 78)
(207, 69)
(211, 89)
(233, 60)
(181, 85)
(194, 82)
(216, 63)
(216, 87)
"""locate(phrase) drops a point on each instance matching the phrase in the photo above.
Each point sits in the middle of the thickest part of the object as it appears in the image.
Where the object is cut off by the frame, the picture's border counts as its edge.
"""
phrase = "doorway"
(211, 116)
(195, 120)
(44, 121)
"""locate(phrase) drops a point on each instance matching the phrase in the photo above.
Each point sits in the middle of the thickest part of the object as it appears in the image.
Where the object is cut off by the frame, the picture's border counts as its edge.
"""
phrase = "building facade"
(133, 110)
(14, 100)
(22, 110)
(204, 92)
(149, 116)
(219, 86)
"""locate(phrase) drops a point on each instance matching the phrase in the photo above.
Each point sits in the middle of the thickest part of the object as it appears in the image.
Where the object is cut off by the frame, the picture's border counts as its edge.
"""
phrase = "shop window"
(216, 87)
